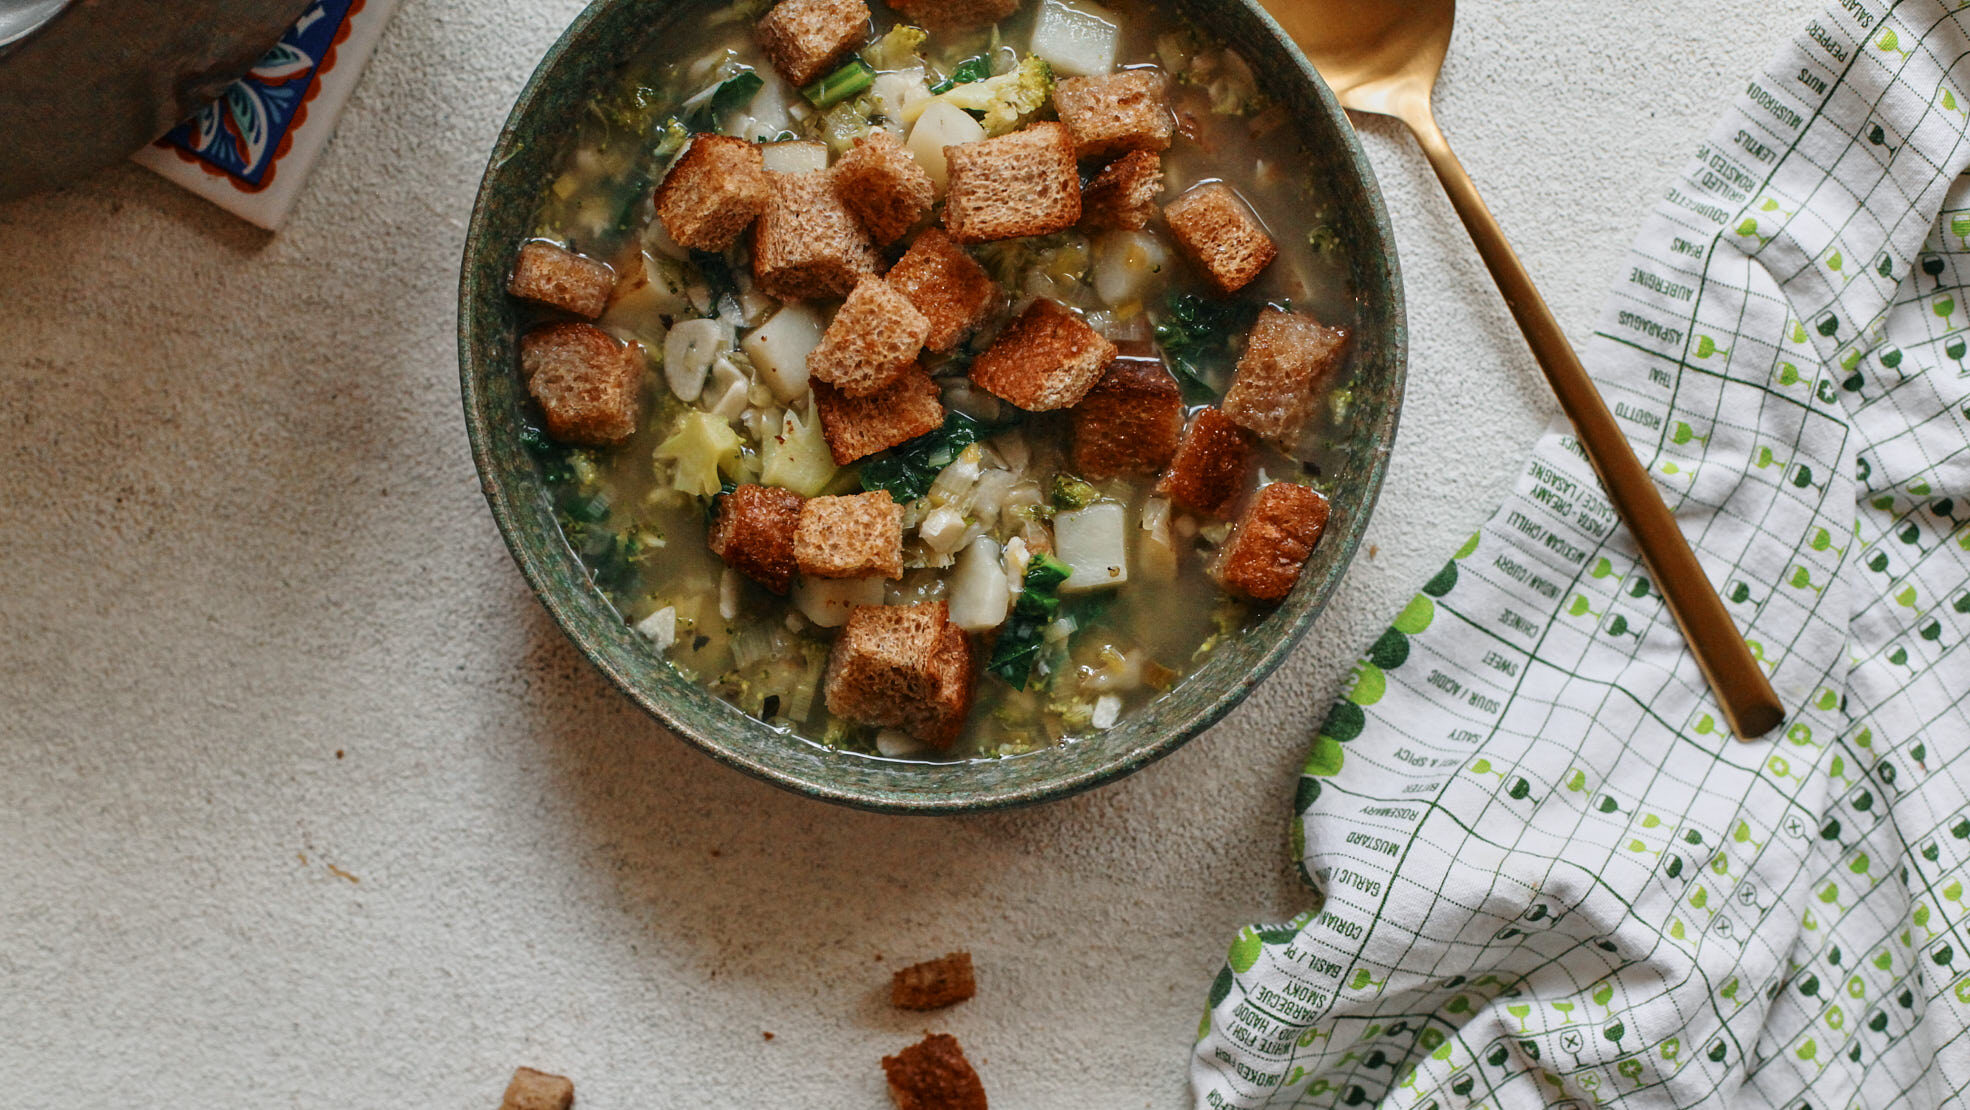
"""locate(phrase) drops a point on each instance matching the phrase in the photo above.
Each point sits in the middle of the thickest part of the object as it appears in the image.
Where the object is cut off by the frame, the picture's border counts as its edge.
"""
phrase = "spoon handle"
(1747, 698)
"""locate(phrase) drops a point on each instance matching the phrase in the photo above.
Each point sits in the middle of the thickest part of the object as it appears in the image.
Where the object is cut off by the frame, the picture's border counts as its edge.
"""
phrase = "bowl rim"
(502, 502)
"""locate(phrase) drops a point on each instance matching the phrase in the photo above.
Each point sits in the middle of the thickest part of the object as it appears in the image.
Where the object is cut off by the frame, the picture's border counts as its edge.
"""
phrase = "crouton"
(1207, 474)
(1270, 544)
(1123, 195)
(1286, 357)
(752, 529)
(873, 339)
(1115, 112)
(1015, 185)
(884, 186)
(933, 1075)
(933, 984)
(806, 244)
(856, 427)
(885, 661)
(713, 192)
(554, 275)
(806, 38)
(1218, 231)
(1046, 359)
(955, 15)
(588, 386)
(856, 536)
(1130, 422)
(939, 717)
(537, 1090)
(947, 285)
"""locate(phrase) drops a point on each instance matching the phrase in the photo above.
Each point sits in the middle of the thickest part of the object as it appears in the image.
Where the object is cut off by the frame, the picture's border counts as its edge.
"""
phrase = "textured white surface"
(240, 532)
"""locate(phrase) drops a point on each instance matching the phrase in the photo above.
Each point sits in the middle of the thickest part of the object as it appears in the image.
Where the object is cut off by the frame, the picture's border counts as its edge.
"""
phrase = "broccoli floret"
(1070, 492)
(701, 447)
(897, 49)
(1007, 102)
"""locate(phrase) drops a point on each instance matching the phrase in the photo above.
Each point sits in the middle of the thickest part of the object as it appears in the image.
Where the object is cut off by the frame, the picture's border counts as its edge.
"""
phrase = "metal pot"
(84, 83)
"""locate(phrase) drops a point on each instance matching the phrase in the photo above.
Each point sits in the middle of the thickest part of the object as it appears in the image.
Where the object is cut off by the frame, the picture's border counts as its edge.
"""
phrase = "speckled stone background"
(304, 802)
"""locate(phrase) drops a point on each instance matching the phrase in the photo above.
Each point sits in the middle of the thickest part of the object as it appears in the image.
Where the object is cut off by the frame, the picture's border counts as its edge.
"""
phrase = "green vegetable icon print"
(1244, 951)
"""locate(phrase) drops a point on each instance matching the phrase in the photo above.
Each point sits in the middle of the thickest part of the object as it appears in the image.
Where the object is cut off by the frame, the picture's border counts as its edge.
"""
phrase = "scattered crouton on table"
(1288, 355)
(1046, 359)
(752, 529)
(1211, 464)
(1271, 542)
(1218, 232)
(714, 191)
(558, 277)
(947, 285)
(884, 186)
(537, 1090)
(955, 15)
(873, 339)
(1115, 112)
(1025, 183)
(1130, 422)
(1123, 195)
(856, 427)
(933, 1074)
(807, 38)
(587, 384)
(854, 536)
(933, 984)
(805, 244)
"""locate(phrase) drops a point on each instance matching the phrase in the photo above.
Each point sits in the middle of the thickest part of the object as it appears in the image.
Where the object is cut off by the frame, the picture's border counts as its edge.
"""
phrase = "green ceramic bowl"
(522, 164)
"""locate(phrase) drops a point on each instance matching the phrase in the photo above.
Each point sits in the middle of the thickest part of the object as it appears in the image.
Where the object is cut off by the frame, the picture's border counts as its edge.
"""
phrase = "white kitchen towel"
(249, 152)
(1547, 874)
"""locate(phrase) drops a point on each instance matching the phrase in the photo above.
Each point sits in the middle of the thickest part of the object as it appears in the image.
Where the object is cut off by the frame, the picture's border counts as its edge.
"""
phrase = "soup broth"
(638, 511)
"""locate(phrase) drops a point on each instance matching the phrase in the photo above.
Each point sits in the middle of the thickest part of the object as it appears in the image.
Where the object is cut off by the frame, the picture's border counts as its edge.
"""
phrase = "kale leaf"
(1197, 335)
(907, 470)
(1039, 603)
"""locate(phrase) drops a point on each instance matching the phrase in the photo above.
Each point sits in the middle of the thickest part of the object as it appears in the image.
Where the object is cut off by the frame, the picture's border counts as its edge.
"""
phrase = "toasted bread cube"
(1130, 422)
(714, 191)
(856, 536)
(1025, 183)
(884, 186)
(1046, 359)
(1217, 229)
(885, 661)
(1285, 359)
(537, 1090)
(752, 529)
(873, 339)
(1271, 542)
(588, 385)
(939, 719)
(806, 244)
(933, 984)
(955, 15)
(1208, 473)
(1115, 112)
(806, 38)
(947, 285)
(550, 274)
(933, 1075)
(857, 427)
(1123, 195)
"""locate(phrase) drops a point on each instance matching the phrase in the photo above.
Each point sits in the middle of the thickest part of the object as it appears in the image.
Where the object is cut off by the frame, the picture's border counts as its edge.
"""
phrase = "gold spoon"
(1382, 57)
